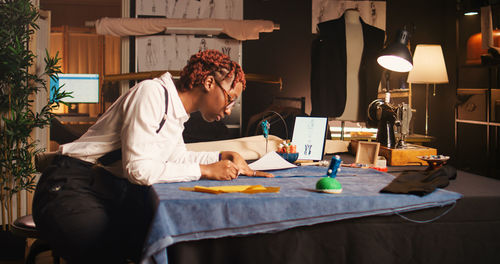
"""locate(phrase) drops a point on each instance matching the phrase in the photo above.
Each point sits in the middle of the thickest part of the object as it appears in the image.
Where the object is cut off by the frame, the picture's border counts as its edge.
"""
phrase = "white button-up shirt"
(130, 124)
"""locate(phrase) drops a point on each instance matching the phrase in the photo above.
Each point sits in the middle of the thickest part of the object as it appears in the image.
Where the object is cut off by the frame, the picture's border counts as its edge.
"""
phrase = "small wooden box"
(367, 152)
(406, 156)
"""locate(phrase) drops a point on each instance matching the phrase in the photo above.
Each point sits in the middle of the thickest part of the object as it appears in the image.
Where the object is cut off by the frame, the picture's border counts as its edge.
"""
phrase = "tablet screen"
(309, 137)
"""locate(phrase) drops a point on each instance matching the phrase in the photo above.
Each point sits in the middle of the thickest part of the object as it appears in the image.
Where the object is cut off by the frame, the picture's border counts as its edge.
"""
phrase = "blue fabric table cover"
(184, 215)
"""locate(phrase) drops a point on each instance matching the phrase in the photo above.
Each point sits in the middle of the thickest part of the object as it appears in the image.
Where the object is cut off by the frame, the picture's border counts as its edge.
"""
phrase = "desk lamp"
(395, 57)
(429, 67)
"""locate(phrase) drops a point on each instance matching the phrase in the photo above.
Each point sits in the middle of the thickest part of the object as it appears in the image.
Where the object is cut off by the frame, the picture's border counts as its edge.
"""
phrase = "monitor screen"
(309, 136)
(84, 88)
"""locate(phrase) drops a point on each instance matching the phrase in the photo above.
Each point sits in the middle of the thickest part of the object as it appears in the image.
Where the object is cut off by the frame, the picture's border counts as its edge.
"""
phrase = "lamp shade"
(396, 56)
(428, 65)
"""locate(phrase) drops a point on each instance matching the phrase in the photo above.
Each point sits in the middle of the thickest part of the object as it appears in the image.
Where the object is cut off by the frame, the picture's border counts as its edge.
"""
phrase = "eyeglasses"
(230, 101)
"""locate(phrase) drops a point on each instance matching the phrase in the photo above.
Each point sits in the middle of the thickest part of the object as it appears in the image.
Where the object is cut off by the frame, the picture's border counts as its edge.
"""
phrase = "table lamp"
(428, 68)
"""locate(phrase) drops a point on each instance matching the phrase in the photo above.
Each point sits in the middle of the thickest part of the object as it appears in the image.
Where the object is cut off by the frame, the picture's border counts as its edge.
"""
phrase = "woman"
(91, 204)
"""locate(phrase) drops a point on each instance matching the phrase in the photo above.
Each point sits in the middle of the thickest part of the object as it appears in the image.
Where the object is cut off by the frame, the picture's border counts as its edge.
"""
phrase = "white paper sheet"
(271, 161)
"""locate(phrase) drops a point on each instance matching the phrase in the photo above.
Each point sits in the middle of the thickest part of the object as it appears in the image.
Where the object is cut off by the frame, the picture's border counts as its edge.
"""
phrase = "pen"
(309, 163)
(313, 163)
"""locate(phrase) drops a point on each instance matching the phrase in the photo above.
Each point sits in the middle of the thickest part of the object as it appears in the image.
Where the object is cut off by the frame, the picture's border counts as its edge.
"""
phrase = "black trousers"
(88, 215)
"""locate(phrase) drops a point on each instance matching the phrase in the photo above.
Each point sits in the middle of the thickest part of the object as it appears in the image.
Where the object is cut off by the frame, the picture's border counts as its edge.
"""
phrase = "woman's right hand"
(224, 170)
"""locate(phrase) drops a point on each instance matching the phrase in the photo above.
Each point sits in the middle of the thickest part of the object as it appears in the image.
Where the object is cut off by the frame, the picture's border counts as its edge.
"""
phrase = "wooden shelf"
(477, 122)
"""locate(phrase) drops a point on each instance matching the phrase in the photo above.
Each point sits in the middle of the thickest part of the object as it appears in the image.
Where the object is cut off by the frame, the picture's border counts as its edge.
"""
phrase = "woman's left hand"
(242, 165)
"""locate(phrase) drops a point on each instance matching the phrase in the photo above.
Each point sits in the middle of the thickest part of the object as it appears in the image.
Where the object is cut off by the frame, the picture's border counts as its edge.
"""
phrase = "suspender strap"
(165, 115)
(116, 155)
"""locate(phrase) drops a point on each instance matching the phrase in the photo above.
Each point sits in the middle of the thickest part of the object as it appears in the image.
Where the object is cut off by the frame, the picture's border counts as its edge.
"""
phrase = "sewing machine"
(388, 117)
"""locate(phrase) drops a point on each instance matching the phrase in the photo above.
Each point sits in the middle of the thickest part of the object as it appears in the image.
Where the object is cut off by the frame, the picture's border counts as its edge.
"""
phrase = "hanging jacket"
(328, 68)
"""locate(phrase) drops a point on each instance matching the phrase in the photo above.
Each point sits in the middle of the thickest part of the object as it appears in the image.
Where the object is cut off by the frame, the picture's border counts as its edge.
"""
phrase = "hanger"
(355, 8)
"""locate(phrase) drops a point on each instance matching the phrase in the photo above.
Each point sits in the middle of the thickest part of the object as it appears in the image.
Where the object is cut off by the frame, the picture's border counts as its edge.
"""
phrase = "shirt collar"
(178, 108)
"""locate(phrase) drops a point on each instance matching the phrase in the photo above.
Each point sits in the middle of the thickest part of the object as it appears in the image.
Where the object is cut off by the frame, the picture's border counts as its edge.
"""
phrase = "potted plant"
(17, 117)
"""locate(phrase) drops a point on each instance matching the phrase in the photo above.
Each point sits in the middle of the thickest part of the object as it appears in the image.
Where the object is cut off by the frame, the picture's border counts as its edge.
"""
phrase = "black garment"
(90, 216)
(329, 68)
(421, 182)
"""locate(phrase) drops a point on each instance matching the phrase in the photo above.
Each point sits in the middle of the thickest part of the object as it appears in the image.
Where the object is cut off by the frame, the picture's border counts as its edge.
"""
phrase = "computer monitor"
(84, 87)
(309, 134)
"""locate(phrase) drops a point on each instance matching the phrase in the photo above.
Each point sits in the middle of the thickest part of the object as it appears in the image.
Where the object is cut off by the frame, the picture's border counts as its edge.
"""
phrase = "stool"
(25, 226)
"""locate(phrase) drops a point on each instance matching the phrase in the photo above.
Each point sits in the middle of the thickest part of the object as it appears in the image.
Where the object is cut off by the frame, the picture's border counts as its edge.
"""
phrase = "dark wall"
(286, 53)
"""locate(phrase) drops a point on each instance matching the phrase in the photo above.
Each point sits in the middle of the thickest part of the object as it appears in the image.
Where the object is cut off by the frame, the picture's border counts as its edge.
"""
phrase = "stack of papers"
(271, 161)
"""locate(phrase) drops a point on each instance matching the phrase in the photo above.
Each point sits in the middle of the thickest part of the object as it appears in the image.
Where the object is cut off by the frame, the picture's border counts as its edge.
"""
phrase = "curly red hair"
(206, 63)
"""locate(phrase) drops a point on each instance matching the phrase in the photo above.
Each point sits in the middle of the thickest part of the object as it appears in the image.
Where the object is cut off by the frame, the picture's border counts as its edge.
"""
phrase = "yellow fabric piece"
(231, 189)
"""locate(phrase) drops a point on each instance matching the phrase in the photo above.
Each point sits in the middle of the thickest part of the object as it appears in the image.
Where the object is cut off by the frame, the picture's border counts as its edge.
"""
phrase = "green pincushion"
(329, 185)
